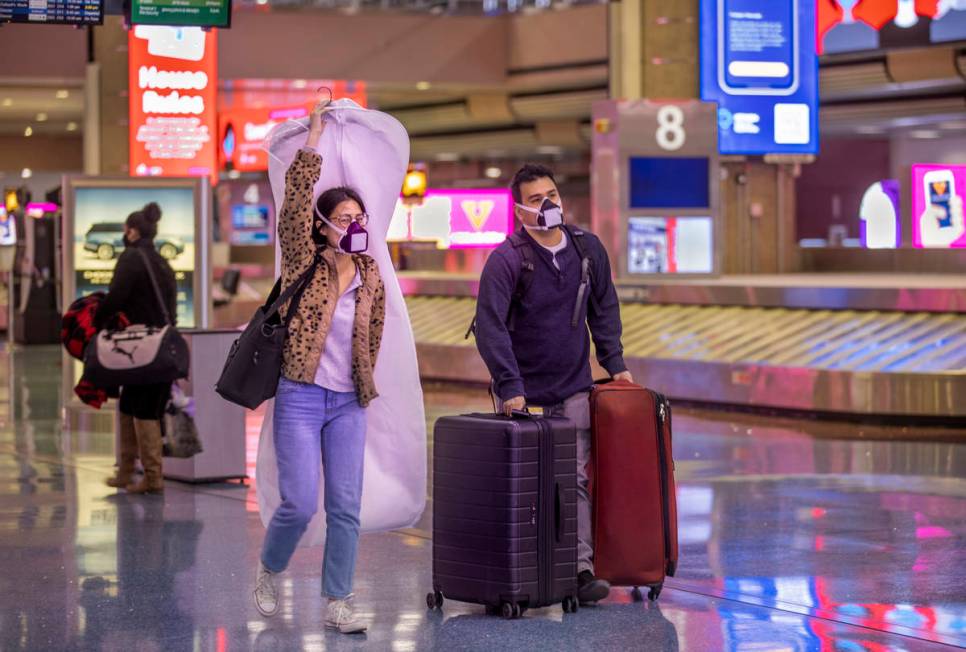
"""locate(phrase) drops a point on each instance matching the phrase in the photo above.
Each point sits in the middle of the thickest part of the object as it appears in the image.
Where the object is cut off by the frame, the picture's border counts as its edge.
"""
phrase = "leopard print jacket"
(310, 325)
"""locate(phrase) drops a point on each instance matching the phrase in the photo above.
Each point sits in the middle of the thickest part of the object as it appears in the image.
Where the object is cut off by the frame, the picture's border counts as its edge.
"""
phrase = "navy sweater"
(545, 359)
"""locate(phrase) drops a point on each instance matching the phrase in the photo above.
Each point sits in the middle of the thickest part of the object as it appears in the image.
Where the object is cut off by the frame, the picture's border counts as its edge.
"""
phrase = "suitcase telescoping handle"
(558, 510)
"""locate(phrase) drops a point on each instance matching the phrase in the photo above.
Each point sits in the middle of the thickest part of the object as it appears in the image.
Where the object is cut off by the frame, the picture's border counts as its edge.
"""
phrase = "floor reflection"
(143, 608)
(795, 536)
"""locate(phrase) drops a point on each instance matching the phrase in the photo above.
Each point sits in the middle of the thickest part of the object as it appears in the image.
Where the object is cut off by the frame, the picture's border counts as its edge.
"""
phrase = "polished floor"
(795, 536)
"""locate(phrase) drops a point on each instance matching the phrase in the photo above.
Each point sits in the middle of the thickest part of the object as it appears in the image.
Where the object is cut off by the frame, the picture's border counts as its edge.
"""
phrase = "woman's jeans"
(315, 427)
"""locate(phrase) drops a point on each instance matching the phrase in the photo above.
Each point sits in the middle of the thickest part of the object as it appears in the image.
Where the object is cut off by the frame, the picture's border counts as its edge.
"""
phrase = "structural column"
(106, 93)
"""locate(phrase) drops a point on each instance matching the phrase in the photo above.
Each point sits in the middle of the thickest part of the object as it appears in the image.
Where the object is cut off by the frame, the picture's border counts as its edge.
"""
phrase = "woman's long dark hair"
(145, 220)
(326, 204)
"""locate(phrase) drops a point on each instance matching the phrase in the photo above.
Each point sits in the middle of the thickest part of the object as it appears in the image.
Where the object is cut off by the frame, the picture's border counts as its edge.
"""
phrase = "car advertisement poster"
(99, 216)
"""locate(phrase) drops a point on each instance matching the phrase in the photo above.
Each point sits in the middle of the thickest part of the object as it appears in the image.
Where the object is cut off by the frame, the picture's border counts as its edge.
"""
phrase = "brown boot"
(127, 454)
(149, 444)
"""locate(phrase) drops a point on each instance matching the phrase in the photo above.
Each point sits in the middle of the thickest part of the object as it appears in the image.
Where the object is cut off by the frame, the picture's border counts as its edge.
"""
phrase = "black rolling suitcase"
(505, 512)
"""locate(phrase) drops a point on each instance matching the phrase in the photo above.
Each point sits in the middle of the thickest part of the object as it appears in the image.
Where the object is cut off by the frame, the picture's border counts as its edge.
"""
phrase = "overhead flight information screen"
(52, 12)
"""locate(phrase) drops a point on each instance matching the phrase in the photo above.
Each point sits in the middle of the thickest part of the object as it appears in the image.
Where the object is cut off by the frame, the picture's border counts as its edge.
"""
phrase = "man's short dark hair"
(527, 174)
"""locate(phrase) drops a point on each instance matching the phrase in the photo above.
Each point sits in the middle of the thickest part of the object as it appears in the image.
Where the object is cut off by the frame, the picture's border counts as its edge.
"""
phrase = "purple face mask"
(355, 239)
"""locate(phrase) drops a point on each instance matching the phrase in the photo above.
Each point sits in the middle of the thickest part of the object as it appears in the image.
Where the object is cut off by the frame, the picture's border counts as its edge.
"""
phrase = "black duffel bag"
(254, 364)
(139, 354)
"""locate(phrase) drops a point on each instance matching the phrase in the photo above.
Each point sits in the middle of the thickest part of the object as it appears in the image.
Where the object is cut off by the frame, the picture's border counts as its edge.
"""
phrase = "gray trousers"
(577, 409)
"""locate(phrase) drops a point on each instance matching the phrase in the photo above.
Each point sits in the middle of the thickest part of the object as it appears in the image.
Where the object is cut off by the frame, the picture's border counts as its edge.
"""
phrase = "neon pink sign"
(455, 219)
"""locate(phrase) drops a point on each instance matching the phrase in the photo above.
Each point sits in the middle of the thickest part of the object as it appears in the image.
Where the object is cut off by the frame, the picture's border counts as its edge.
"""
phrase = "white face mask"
(550, 216)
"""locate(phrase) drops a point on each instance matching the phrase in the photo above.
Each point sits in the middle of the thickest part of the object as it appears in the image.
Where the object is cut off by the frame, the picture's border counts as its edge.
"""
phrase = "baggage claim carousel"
(865, 345)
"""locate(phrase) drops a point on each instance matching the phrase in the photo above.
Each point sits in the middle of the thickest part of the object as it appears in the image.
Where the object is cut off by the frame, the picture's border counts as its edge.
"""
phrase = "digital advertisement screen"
(662, 182)
(937, 205)
(455, 219)
(181, 13)
(247, 212)
(173, 81)
(52, 12)
(248, 216)
(861, 25)
(880, 226)
(245, 123)
(670, 245)
(8, 228)
(99, 216)
(759, 63)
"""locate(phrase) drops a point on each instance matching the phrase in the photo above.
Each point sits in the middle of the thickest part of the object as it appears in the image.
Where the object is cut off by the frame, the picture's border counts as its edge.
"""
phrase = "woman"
(141, 406)
(327, 380)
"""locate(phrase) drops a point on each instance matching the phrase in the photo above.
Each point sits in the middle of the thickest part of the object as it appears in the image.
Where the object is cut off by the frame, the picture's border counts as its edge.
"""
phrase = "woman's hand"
(317, 124)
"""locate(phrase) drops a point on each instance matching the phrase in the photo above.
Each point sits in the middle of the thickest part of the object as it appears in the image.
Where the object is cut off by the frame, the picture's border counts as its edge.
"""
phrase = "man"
(538, 293)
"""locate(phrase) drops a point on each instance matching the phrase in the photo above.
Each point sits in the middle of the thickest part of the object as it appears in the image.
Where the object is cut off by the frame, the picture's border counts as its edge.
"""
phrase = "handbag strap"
(297, 289)
(154, 284)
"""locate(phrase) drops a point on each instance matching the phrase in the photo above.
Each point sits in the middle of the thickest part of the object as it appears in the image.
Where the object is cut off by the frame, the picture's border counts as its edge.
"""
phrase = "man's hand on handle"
(518, 403)
(624, 375)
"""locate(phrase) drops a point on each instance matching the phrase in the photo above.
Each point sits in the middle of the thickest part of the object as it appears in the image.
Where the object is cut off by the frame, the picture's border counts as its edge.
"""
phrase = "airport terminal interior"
(777, 189)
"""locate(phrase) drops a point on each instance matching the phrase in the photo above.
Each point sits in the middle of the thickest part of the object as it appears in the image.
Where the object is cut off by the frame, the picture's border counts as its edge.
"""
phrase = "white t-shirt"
(556, 249)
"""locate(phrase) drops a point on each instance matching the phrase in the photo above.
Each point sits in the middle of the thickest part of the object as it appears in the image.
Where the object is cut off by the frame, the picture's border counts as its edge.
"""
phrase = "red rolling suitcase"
(505, 512)
(635, 513)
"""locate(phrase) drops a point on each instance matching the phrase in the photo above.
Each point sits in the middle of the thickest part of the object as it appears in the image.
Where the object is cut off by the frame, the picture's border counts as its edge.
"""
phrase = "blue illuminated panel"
(660, 182)
(758, 62)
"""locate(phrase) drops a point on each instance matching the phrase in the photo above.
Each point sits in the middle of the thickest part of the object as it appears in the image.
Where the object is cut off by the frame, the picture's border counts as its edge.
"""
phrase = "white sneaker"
(266, 595)
(340, 615)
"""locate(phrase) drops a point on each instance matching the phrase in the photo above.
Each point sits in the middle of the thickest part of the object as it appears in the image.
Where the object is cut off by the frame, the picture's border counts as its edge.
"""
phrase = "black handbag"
(139, 354)
(254, 364)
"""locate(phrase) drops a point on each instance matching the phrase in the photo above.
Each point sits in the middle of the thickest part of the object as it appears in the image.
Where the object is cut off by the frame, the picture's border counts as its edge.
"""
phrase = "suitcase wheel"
(570, 605)
(655, 591)
(434, 600)
(511, 610)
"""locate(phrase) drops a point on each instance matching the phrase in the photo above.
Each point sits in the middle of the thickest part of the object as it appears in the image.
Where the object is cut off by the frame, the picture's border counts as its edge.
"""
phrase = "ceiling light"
(423, 86)
(62, 94)
(924, 134)
(28, 132)
(551, 150)
(41, 117)
(493, 172)
(447, 157)
(71, 126)
(7, 101)
(26, 173)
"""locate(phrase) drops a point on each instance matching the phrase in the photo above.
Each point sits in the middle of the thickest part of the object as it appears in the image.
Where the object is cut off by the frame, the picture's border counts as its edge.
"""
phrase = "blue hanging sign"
(759, 63)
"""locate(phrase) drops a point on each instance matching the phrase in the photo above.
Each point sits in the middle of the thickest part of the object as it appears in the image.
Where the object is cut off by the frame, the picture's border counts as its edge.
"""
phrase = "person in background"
(327, 381)
(536, 346)
(132, 293)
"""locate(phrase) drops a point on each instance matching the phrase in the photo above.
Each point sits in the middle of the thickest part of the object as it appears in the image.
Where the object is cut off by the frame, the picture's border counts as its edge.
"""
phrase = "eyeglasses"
(346, 219)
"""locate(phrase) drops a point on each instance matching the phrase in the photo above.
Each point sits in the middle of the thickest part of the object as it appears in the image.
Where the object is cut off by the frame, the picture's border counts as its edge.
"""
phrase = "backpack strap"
(523, 282)
(586, 274)
(524, 279)
(154, 284)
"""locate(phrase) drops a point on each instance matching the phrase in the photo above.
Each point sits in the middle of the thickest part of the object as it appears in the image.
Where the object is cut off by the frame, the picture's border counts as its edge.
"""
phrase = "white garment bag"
(369, 151)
